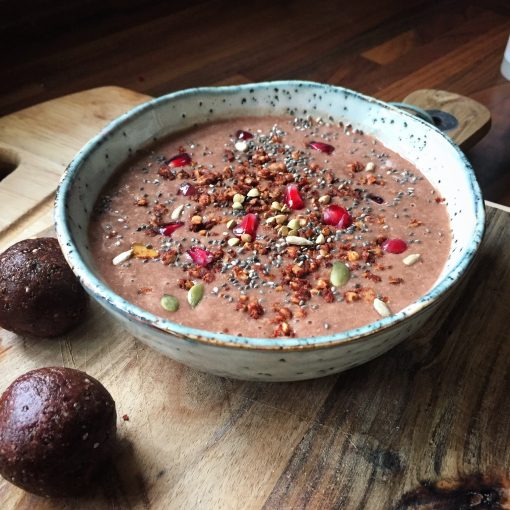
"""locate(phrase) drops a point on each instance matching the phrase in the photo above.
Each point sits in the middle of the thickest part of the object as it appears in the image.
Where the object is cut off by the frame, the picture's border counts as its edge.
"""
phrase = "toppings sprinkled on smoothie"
(248, 225)
(340, 274)
(200, 256)
(412, 259)
(321, 147)
(375, 198)
(394, 246)
(170, 228)
(179, 160)
(337, 216)
(381, 308)
(195, 294)
(169, 303)
(293, 199)
(243, 135)
(122, 257)
(282, 238)
(141, 251)
(187, 189)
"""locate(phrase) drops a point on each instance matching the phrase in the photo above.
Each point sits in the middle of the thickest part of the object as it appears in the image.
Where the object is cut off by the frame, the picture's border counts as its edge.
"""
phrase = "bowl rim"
(120, 306)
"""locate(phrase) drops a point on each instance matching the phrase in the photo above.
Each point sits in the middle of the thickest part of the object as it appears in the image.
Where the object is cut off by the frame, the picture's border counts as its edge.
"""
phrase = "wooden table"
(435, 410)
(53, 48)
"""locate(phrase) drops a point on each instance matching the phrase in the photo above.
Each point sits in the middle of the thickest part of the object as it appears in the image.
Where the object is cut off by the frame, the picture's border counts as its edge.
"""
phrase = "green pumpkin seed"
(169, 303)
(293, 224)
(195, 294)
(340, 274)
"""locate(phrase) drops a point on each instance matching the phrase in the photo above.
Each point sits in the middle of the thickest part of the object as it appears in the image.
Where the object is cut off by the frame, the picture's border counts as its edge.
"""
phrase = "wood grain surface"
(41, 141)
(53, 48)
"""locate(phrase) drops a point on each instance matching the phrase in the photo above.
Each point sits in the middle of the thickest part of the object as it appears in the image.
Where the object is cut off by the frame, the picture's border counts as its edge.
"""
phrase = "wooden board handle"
(37, 143)
(463, 119)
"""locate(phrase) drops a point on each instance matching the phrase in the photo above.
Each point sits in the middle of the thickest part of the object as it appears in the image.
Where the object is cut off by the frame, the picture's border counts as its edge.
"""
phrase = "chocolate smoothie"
(269, 226)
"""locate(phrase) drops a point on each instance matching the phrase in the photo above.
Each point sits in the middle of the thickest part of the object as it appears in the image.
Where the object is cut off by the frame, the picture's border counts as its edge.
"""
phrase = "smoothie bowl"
(276, 231)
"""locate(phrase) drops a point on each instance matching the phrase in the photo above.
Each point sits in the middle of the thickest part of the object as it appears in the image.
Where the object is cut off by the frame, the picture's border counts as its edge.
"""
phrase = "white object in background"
(505, 65)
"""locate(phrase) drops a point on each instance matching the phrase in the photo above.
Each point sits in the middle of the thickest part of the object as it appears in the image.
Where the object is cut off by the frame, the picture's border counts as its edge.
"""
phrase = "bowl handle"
(463, 119)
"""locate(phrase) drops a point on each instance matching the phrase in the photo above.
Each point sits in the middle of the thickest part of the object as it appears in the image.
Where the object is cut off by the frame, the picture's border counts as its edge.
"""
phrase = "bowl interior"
(431, 151)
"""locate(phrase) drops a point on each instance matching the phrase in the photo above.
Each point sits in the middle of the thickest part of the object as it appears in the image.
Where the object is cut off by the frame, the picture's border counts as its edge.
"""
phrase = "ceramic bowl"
(280, 359)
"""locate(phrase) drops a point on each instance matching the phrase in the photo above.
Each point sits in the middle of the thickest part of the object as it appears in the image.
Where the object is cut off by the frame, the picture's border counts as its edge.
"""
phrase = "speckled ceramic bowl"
(280, 359)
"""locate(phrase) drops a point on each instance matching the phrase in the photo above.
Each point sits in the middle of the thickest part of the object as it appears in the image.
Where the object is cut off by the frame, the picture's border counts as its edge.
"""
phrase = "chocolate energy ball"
(57, 428)
(39, 294)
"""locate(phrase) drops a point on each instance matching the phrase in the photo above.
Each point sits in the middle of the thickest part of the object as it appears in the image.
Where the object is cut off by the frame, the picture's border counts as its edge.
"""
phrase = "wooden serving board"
(433, 409)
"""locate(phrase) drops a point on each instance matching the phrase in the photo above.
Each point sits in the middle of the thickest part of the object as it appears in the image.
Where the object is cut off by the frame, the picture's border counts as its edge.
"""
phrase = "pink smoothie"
(291, 227)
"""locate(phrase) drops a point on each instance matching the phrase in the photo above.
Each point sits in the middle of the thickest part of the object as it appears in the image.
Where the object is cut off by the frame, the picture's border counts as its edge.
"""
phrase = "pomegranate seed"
(293, 198)
(376, 198)
(337, 216)
(170, 228)
(200, 256)
(243, 135)
(178, 160)
(248, 225)
(394, 246)
(321, 147)
(187, 189)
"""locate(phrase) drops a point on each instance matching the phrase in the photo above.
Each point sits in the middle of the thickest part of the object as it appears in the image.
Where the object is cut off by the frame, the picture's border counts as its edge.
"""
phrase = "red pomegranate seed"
(293, 198)
(321, 147)
(200, 256)
(394, 246)
(337, 216)
(243, 135)
(170, 228)
(187, 189)
(178, 160)
(248, 225)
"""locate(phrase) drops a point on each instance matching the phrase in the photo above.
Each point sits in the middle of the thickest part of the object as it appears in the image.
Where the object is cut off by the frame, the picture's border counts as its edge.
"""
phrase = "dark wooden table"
(386, 49)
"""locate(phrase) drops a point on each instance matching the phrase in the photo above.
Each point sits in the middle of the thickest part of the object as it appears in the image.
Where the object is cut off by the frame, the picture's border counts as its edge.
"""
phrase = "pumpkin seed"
(411, 259)
(320, 239)
(231, 223)
(283, 231)
(195, 294)
(237, 205)
(239, 198)
(122, 257)
(293, 224)
(298, 241)
(381, 307)
(234, 241)
(340, 274)
(276, 206)
(246, 238)
(254, 192)
(280, 219)
(169, 303)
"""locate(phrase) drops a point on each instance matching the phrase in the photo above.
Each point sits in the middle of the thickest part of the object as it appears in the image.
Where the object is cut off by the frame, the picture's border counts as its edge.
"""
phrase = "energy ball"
(39, 294)
(57, 428)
